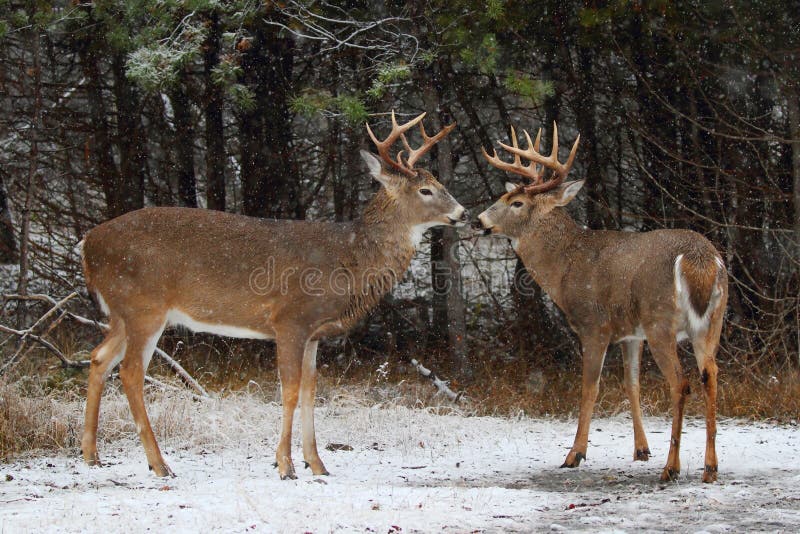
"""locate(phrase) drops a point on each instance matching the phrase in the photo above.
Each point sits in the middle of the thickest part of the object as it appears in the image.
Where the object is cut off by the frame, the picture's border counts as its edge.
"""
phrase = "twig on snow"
(440, 384)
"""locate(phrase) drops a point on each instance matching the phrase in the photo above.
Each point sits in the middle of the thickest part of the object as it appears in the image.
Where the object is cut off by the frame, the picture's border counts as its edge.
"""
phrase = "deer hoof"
(92, 460)
(670, 474)
(710, 473)
(573, 460)
(287, 471)
(317, 467)
(162, 470)
(641, 455)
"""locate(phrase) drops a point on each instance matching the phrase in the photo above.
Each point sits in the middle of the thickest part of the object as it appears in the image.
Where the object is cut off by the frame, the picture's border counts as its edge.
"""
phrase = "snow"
(409, 470)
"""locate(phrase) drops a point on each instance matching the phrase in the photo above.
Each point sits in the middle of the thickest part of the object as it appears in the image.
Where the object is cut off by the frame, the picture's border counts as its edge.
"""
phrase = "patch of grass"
(41, 404)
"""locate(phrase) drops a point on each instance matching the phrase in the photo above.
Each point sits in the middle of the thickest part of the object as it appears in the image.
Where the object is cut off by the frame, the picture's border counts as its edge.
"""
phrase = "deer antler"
(532, 172)
(406, 167)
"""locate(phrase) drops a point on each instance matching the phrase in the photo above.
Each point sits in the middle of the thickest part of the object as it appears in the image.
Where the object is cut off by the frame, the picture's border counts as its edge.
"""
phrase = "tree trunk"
(129, 140)
(449, 310)
(212, 108)
(33, 168)
(794, 132)
(8, 244)
(596, 216)
(99, 148)
(268, 178)
(184, 146)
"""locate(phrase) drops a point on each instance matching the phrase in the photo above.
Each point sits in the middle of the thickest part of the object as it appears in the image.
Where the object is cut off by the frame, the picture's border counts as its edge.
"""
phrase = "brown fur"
(620, 287)
(291, 281)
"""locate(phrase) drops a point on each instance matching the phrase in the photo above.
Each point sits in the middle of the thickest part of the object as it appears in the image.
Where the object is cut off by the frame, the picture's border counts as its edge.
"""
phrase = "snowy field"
(409, 470)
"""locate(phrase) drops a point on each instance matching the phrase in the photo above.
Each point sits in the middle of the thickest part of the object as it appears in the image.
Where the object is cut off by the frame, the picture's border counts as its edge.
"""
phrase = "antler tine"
(514, 141)
(398, 131)
(571, 158)
(427, 143)
(384, 146)
(530, 172)
(532, 153)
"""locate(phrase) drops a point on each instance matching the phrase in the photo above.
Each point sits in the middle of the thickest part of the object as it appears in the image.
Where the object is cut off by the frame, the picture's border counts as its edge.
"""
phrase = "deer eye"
(516, 204)
(425, 191)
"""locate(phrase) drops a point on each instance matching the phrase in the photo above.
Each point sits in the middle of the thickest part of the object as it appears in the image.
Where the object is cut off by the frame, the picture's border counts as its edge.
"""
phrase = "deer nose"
(464, 216)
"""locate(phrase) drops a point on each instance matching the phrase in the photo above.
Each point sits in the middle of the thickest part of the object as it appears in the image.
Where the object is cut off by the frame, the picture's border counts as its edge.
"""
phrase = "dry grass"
(507, 389)
(46, 412)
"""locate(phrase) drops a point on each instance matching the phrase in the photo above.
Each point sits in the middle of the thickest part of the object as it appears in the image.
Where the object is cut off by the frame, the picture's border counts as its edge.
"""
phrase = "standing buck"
(291, 281)
(663, 286)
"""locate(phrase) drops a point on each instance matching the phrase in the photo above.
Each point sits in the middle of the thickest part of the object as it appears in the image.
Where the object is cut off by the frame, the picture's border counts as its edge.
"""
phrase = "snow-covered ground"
(409, 470)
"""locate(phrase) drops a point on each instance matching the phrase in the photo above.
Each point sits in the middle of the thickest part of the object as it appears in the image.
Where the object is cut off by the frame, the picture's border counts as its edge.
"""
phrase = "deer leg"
(664, 349)
(290, 360)
(104, 357)
(594, 353)
(308, 389)
(632, 357)
(141, 343)
(705, 348)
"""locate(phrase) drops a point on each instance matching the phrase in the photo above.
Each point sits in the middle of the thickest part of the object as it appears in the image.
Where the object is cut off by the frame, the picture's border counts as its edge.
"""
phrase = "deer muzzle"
(483, 223)
(458, 217)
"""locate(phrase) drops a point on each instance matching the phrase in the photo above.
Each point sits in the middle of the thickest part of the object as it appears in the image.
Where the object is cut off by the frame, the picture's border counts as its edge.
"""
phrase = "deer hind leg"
(663, 346)
(290, 361)
(104, 357)
(594, 353)
(308, 390)
(705, 348)
(632, 358)
(143, 335)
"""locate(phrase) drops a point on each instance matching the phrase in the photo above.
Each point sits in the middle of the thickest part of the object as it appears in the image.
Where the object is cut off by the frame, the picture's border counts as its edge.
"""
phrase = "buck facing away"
(661, 286)
(290, 281)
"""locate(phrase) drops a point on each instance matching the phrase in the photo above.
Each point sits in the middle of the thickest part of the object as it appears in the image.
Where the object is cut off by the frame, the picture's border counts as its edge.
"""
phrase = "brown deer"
(294, 282)
(661, 286)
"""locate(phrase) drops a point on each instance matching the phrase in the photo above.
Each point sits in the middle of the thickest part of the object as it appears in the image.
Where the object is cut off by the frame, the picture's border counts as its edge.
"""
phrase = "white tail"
(660, 286)
(291, 281)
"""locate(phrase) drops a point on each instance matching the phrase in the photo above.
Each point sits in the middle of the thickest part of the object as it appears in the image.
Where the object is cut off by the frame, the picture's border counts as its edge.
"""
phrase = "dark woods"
(689, 115)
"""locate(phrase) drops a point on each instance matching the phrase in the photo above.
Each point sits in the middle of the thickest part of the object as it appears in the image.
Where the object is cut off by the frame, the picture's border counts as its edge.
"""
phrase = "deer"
(291, 281)
(661, 286)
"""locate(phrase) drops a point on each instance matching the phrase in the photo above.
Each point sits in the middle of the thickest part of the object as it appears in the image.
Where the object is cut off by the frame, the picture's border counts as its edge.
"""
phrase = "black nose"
(464, 216)
(477, 225)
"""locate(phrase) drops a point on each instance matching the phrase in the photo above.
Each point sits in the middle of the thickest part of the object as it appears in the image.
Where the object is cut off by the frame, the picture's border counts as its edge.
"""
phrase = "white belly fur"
(177, 317)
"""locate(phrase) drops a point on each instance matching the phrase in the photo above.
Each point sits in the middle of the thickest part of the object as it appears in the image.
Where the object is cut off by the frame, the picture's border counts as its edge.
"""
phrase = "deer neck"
(382, 251)
(547, 251)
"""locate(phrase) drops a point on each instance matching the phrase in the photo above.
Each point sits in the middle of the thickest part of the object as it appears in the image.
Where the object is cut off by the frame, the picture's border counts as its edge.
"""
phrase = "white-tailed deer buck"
(290, 281)
(661, 286)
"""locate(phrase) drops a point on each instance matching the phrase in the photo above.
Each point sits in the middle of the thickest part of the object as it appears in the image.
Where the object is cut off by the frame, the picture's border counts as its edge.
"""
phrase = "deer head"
(419, 198)
(523, 207)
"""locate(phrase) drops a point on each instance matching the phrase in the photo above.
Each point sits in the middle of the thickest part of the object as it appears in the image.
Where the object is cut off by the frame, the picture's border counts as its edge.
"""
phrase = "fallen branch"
(176, 367)
(25, 334)
(440, 384)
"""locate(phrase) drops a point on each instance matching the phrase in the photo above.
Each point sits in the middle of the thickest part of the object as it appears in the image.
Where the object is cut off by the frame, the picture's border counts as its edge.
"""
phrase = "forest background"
(689, 116)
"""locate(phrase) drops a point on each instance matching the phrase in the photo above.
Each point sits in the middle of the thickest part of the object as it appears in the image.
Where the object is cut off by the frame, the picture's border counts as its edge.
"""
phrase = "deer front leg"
(290, 360)
(594, 352)
(141, 343)
(632, 357)
(308, 389)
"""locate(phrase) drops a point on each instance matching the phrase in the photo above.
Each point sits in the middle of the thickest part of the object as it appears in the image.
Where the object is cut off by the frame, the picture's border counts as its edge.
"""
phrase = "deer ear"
(510, 187)
(376, 169)
(567, 191)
